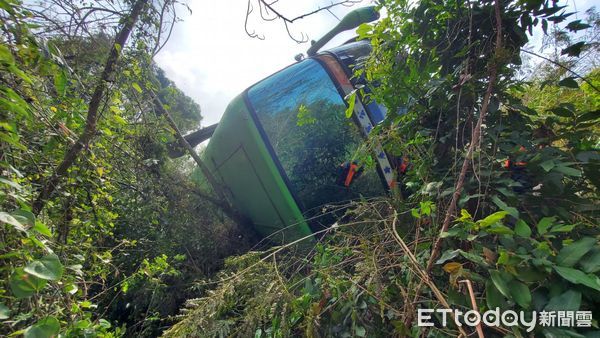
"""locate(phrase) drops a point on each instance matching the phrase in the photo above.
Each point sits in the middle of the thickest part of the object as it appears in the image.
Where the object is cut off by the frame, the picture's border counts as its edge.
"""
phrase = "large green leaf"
(48, 327)
(548, 165)
(5, 55)
(8, 218)
(511, 210)
(24, 285)
(522, 229)
(529, 274)
(351, 99)
(568, 82)
(568, 170)
(47, 267)
(4, 311)
(574, 49)
(591, 261)
(577, 25)
(137, 87)
(42, 229)
(501, 280)
(448, 255)
(571, 254)
(593, 115)
(520, 293)
(491, 219)
(544, 224)
(25, 217)
(568, 301)
(578, 277)
(493, 297)
(499, 229)
(60, 82)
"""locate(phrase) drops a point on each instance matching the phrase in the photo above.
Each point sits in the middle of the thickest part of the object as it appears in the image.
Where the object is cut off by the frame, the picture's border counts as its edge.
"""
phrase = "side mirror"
(350, 21)
(195, 138)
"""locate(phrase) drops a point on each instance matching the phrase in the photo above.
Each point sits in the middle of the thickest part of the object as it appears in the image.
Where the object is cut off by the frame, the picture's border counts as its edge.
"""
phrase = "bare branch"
(563, 67)
(268, 13)
(346, 3)
(253, 33)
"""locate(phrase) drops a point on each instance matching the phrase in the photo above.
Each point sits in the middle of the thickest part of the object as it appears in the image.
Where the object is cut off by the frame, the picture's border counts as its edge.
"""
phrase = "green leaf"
(499, 229)
(448, 255)
(544, 224)
(18, 72)
(577, 25)
(351, 99)
(568, 301)
(47, 267)
(522, 229)
(589, 116)
(42, 229)
(105, 324)
(493, 297)
(591, 261)
(60, 82)
(5, 54)
(491, 219)
(573, 50)
(4, 311)
(24, 285)
(48, 327)
(568, 171)
(25, 217)
(363, 31)
(562, 111)
(529, 274)
(501, 280)
(569, 255)
(568, 82)
(474, 258)
(7, 218)
(137, 87)
(563, 228)
(520, 293)
(547, 165)
(578, 277)
(511, 211)
(11, 183)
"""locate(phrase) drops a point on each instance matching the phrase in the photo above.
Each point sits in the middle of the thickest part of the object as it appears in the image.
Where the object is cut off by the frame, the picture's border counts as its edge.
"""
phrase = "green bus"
(284, 147)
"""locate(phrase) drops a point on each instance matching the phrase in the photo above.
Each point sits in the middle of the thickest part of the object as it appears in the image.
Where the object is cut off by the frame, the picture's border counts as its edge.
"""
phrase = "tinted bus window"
(302, 115)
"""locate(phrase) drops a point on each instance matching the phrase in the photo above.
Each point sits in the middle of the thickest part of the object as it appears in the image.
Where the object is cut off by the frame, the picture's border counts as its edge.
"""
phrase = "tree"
(120, 220)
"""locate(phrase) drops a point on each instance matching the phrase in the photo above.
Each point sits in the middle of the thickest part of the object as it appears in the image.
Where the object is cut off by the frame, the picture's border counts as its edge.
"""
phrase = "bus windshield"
(302, 115)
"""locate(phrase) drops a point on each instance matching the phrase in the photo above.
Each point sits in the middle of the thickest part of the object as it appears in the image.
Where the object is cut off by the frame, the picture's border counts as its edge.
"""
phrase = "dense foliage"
(111, 251)
(502, 188)
(102, 234)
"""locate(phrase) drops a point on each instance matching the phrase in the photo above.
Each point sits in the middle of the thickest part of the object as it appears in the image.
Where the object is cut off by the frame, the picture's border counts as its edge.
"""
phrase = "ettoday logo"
(496, 318)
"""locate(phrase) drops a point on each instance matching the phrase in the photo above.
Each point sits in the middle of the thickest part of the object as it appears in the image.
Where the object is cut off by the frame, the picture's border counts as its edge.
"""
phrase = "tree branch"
(268, 12)
(562, 66)
(493, 74)
(93, 107)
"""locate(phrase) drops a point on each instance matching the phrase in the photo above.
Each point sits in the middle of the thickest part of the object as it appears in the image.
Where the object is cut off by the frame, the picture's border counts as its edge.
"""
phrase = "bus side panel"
(238, 157)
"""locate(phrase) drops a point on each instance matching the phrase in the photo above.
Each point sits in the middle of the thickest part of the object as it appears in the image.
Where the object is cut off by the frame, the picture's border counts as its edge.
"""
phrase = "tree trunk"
(93, 107)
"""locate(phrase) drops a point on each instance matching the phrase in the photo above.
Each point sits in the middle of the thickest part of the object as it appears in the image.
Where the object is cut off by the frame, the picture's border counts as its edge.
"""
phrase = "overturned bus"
(284, 146)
